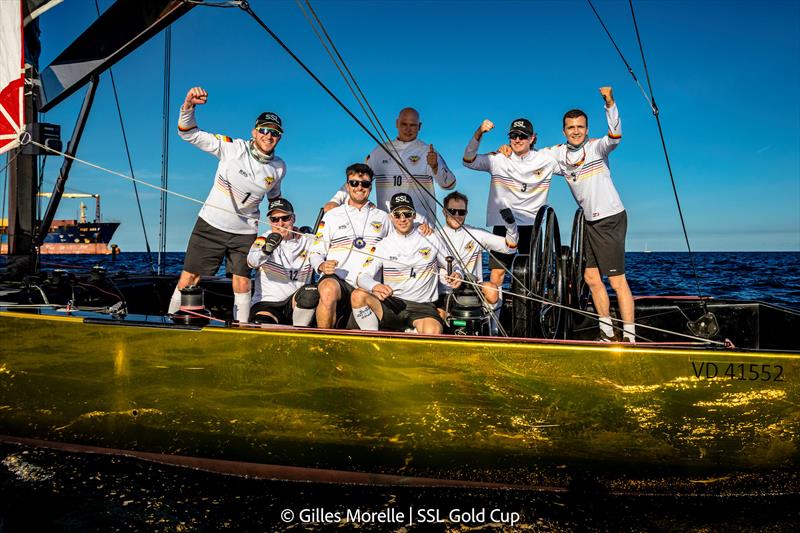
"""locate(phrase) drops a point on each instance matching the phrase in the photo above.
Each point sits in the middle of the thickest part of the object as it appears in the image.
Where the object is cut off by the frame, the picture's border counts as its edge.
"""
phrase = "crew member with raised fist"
(584, 165)
(228, 221)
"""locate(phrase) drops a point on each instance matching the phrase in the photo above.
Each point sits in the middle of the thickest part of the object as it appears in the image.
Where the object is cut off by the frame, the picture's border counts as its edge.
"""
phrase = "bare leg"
(490, 291)
(428, 326)
(329, 294)
(361, 298)
(185, 280)
(598, 288)
(496, 276)
(600, 300)
(625, 302)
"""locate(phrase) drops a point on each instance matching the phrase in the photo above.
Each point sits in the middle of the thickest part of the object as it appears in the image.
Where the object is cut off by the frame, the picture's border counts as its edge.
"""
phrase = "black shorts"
(280, 310)
(604, 242)
(498, 260)
(399, 314)
(343, 307)
(208, 246)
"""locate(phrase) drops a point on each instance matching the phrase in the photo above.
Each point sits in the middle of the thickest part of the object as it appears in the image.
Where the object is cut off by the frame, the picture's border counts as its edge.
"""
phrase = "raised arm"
(610, 141)
(189, 132)
(471, 158)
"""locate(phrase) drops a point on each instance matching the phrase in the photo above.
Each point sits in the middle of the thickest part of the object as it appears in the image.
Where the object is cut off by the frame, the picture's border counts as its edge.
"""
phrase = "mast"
(24, 169)
(122, 28)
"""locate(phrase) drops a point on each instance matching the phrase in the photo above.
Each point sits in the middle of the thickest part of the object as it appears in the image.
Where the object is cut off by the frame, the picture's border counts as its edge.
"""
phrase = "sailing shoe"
(602, 337)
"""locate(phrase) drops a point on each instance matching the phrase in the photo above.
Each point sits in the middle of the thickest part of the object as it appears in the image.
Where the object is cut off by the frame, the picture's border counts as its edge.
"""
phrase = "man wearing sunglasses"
(520, 182)
(345, 237)
(281, 257)
(410, 263)
(228, 221)
(470, 242)
(420, 158)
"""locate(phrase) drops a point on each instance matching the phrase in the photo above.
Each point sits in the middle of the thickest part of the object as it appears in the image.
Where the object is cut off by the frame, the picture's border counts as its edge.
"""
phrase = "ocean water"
(772, 277)
(49, 490)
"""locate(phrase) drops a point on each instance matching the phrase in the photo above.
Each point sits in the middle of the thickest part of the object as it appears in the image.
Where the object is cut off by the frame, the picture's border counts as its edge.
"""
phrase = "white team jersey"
(339, 235)
(283, 271)
(521, 183)
(587, 171)
(410, 266)
(240, 183)
(390, 179)
(470, 246)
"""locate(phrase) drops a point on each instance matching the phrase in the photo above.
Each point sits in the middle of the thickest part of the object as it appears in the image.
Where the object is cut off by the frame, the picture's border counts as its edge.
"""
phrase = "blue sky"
(724, 75)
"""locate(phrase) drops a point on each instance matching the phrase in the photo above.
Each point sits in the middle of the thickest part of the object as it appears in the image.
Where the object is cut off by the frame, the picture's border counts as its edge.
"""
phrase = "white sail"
(12, 75)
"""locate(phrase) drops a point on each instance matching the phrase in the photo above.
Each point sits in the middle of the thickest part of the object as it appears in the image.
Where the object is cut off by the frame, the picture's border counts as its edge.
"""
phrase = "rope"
(477, 285)
(370, 112)
(630, 70)
(379, 129)
(666, 157)
(128, 154)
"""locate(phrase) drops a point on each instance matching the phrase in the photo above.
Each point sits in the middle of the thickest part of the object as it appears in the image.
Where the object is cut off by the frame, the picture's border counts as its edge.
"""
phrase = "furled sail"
(12, 75)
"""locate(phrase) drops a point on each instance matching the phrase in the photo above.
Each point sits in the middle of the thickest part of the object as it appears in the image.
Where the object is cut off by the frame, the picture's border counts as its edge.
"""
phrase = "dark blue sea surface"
(772, 277)
(49, 490)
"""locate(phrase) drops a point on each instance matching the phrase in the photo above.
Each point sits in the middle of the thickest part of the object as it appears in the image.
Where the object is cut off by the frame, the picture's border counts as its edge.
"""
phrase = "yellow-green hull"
(446, 408)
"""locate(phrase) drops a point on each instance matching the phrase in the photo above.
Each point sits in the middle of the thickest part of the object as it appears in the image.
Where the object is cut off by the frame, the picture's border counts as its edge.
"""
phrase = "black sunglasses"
(355, 183)
(403, 214)
(275, 133)
(457, 212)
(518, 135)
(284, 218)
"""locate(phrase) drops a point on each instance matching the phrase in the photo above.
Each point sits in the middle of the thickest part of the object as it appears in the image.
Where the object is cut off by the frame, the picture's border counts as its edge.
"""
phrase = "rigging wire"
(666, 157)
(130, 160)
(348, 78)
(627, 65)
(656, 113)
(246, 8)
(351, 82)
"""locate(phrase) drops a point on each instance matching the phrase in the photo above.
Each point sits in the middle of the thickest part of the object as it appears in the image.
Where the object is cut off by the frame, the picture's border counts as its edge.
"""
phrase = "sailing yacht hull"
(516, 413)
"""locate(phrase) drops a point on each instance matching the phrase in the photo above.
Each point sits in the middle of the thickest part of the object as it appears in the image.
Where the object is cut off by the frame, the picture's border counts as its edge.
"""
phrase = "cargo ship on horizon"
(73, 236)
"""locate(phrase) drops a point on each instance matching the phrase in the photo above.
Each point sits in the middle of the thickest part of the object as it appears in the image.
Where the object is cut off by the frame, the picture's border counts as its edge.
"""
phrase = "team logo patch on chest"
(425, 252)
(414, 159)
(376, 226)
(470, 246)
(269, 180)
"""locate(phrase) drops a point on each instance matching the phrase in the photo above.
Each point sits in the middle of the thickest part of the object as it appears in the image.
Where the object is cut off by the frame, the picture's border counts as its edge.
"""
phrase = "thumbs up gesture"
(433, 160)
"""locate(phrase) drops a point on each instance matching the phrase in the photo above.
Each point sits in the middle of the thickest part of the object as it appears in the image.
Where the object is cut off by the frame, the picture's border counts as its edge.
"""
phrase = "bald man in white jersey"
(420, 158)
